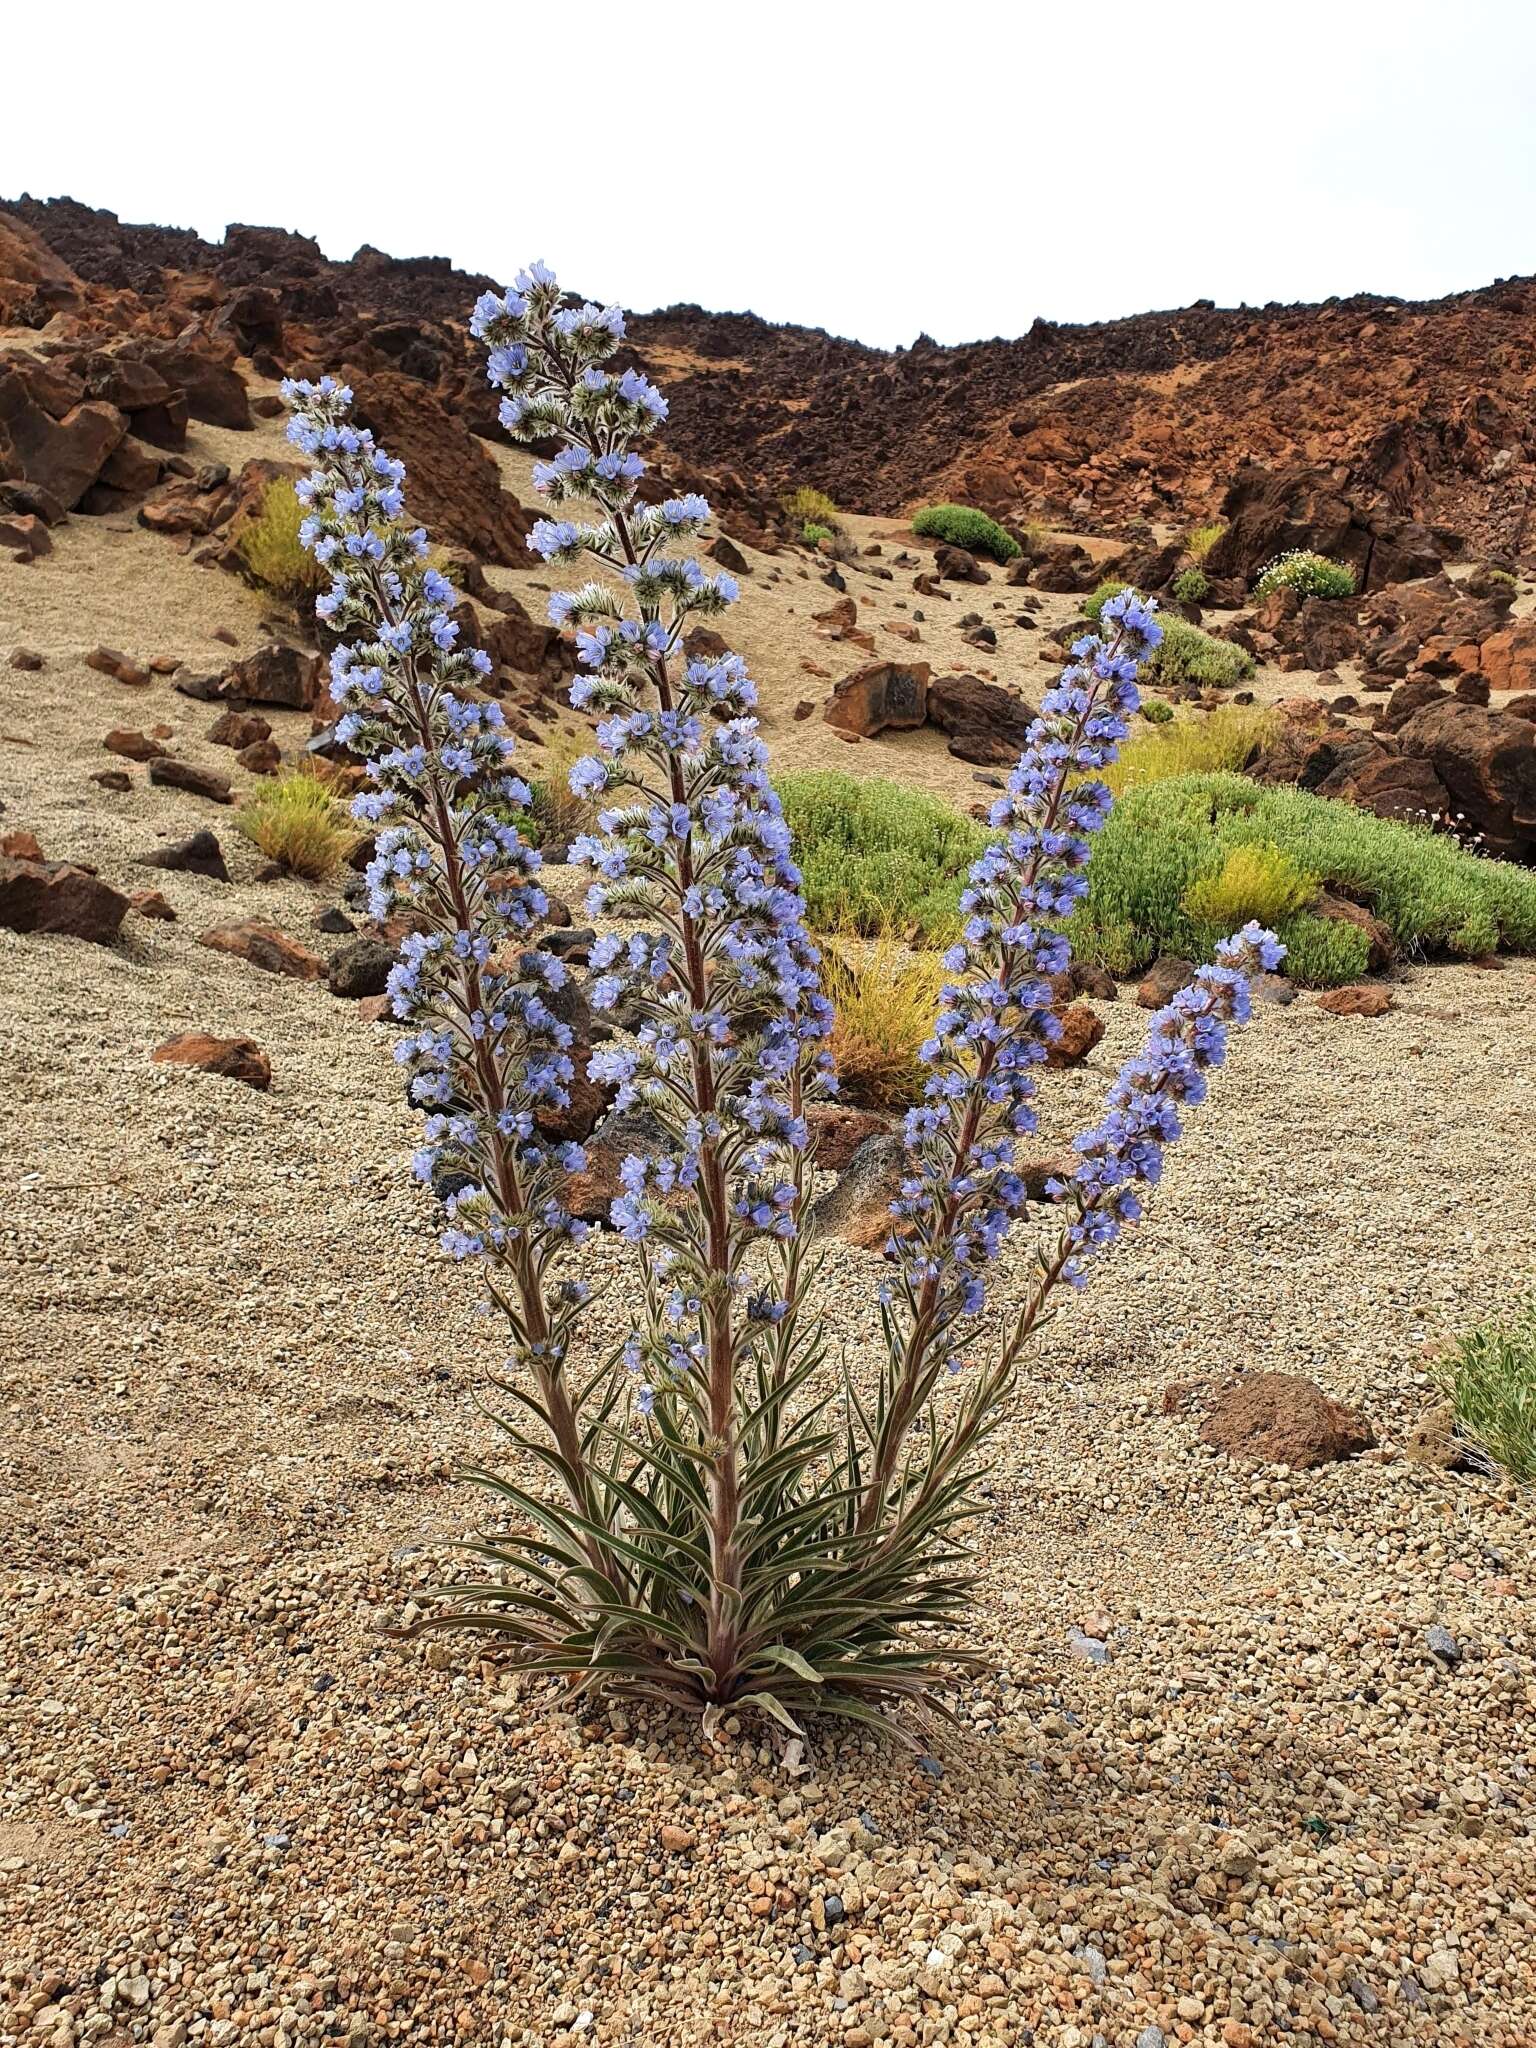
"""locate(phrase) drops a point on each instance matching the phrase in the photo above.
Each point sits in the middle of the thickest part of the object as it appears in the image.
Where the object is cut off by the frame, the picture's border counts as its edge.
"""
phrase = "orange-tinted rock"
(263, 945)
(21, 845)
(1359, 999)
(1281, 1418)
(133, 746)
(1081, 1030)
(150, 903)
(236, 1059)
(884, 696)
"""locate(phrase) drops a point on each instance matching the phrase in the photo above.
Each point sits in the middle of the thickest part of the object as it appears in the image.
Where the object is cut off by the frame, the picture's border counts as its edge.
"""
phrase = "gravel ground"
(1220, 1791)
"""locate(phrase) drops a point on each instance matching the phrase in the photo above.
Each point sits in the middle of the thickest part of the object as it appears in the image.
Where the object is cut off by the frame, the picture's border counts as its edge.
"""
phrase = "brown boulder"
(168, 773)
(882, 696)
(54, 896)
(239, 729)
(213, 391)
(236, 1059)
(275, 674)
(1269, 513)
(958, 565)
(1487, 762)
(1163, 980)
(1359, 999)
(1281, 1418)
(263, 945)
(25, 535)
(156, 409)
(62, 457)
(986, 724)
(456, 488)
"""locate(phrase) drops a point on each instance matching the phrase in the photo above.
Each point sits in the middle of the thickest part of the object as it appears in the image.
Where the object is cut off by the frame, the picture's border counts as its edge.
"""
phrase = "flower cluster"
(720, 982)
(1141, 1116)
(996, 1022)
(485, 1052)
(740, 1525)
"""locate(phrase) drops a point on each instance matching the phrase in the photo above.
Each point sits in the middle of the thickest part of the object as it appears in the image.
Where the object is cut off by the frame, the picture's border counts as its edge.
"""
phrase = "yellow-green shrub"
(810, 507)
(269, 547)
(1258, 880)
(299, 822)
(1203, 538)
(883, 1003)
(1222, 741)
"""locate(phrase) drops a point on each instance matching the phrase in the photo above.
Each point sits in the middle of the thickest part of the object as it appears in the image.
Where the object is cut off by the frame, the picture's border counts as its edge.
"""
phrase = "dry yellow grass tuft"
(883, 998)
(299, 822)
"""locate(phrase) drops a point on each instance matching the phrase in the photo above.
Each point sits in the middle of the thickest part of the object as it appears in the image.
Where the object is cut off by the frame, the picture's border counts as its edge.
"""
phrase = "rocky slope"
(1423, 410)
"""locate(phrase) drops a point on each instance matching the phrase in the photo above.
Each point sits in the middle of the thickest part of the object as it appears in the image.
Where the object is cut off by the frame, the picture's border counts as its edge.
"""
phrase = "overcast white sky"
(875, 167)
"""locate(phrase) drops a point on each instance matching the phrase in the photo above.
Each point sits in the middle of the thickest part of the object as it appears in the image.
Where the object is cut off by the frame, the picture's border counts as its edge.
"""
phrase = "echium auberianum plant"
(729, 1515)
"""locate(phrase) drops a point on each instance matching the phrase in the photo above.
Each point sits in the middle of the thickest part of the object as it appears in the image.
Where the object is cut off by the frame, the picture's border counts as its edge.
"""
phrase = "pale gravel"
(238, 1374)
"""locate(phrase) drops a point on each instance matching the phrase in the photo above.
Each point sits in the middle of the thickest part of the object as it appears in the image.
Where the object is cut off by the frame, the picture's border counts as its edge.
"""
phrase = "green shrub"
(1190, 586)
(1491, 1381)
(1202, 539)
(1312, 575)
(1165, 836)
(1324, 952)
(1189, 656)
(269, 548)
(1225, 740)
(877, 856)
(1186, 655)
(813, 535)
(1156, 712)
(963, 527)
(808, 507)
(1259, 881)
(299, 822)
(1501, 576)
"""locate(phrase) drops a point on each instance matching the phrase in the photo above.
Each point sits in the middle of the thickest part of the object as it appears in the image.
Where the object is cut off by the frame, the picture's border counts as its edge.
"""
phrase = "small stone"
(360, 968)
(1360, 999)
(675, 1839)
(1443, 1644)
(27, 658)
(264, 946)
(168, 773)
(235, 1059)
(150, 903)
(133, 746)
(200, 854)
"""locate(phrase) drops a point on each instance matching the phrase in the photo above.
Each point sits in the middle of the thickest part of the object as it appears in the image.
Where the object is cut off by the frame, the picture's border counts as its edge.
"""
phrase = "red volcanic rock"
(455, 487)
(236, 1059)
(1359, 999)
(54, 896)
(1280, 1418)
(63, 457)
(883, 696)
(263, 945)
